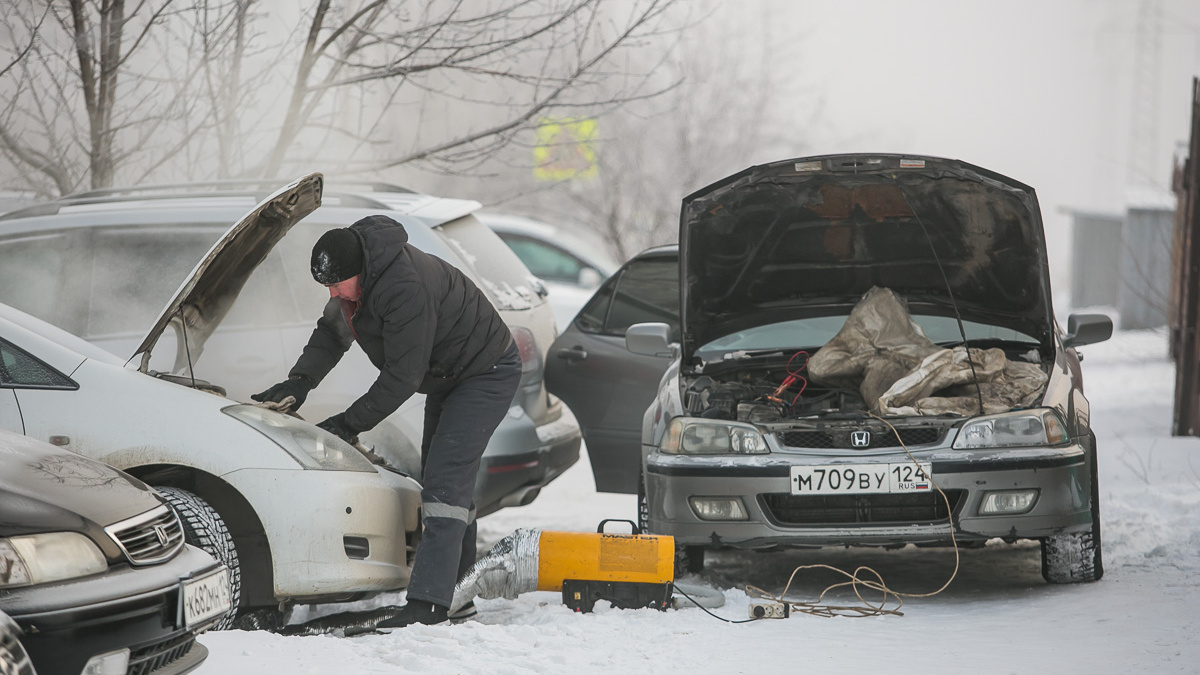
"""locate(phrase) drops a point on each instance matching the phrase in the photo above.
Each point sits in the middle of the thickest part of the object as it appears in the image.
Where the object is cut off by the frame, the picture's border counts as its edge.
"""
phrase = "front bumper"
(316, 521)
(66, 623)
(777, 518)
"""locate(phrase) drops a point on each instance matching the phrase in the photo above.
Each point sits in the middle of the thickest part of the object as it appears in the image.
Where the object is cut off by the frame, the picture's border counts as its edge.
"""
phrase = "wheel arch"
(243, 523)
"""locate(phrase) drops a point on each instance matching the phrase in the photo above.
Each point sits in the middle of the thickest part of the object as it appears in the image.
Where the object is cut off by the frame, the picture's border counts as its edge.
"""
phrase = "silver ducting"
(509, 569)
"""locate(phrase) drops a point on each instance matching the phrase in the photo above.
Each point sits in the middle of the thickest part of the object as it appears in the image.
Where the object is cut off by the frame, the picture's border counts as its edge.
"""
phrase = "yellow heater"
(627, 570)
(638, 558)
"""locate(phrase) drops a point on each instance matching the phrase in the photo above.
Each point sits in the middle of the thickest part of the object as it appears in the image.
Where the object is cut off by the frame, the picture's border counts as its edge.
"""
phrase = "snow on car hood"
(808, 237)
(207, 294)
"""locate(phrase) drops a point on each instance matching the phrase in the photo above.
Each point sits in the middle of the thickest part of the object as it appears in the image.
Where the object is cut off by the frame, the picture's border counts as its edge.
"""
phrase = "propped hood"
(44, 489)
(209, 291)
(808, 237)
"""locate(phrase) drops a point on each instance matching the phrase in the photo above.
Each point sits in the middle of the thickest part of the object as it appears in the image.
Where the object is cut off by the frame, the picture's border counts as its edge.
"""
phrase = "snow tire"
(204, 528)
(688, 560)
(262, 618)
(1075, 558)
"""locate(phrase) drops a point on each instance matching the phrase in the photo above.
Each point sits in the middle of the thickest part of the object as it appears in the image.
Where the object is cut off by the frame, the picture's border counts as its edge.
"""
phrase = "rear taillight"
(531, 359)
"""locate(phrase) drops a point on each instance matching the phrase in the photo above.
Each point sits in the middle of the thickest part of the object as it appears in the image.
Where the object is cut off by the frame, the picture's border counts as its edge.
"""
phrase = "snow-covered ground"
(996, 617)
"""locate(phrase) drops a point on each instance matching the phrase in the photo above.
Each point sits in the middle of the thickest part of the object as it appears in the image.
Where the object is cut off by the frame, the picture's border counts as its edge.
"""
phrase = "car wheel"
(204, 529)
(688, 559)
(262, 618)
(1077, 557)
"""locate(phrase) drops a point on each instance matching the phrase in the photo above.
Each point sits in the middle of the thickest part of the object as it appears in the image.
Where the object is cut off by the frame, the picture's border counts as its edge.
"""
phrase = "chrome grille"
(149, 659)
(829, 439)
(150, 538)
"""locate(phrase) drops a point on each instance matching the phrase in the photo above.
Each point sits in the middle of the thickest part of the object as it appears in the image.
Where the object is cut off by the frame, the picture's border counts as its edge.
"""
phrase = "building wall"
(1144, 295)
(1095, 249)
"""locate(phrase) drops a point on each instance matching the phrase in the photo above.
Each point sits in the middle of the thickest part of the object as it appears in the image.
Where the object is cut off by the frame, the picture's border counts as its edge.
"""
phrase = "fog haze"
(1042, 92)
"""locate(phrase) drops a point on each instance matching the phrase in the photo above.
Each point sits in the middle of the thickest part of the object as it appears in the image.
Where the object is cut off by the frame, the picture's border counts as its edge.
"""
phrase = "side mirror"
(1087, 329)
(589, 277)
(649, 339)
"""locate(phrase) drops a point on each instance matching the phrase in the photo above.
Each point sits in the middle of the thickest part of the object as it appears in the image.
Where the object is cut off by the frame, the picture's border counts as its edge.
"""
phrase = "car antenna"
(953, 303)
(192, 372)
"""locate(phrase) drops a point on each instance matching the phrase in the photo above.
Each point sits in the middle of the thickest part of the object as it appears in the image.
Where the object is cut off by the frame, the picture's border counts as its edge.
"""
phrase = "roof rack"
(366, 195)
(222, 185)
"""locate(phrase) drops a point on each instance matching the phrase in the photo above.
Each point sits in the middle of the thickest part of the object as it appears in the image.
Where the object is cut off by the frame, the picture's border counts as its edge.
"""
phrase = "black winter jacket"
(420, 320)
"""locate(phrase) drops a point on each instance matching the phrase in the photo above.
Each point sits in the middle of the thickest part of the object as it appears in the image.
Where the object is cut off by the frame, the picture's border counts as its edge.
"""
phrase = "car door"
(10, 414)
(605, 385)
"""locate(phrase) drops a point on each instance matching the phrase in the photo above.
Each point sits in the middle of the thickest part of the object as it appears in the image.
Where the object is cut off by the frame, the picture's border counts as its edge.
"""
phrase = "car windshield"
(814, 332)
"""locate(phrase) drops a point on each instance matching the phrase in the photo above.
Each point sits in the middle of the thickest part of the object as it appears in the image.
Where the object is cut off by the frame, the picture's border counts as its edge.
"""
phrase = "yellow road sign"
(564, 149)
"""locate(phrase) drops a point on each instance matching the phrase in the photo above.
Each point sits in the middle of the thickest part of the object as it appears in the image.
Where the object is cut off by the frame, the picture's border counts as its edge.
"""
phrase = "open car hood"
(808, 237)
(207, 294)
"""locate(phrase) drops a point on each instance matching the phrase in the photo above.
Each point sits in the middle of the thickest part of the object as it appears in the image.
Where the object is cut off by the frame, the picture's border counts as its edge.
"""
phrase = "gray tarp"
(883, 353)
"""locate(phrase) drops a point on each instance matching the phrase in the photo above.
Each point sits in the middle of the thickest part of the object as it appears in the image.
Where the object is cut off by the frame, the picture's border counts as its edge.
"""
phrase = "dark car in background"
(94, 569)
(866, 355)
(607, 386)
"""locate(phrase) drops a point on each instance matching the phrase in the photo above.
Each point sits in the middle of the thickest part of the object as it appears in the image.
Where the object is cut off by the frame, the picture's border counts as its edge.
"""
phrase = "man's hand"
(337, 426)
(297, 387)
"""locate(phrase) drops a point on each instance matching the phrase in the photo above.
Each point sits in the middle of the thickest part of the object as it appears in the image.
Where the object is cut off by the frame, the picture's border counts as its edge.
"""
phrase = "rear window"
(137, 270)
(34, 274)
(501, 273)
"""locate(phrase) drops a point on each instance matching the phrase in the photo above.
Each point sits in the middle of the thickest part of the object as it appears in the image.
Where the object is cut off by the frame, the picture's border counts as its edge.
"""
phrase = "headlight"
(1026, 428)
(39, 558)
(692, 436)
(312, 446)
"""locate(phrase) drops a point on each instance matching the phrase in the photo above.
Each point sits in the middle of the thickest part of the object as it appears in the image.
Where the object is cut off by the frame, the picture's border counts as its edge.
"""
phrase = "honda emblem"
(161, 533)
(860, 439)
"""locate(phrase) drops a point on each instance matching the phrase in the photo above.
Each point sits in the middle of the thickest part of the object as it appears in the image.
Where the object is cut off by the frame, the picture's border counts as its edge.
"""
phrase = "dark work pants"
(458, 425)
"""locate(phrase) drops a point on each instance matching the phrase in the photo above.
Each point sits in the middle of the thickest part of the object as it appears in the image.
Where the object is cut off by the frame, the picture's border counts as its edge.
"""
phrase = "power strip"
(769, 610)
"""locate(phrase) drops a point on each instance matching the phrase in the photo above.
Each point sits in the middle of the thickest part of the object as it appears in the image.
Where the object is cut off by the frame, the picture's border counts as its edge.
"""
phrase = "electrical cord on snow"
(706, 611)
(867, 608)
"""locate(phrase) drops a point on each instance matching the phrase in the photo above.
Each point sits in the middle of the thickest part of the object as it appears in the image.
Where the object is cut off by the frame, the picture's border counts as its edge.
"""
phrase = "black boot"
(416, 611)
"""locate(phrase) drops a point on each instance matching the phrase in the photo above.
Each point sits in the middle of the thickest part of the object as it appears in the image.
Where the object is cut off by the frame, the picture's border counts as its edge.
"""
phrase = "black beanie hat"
(337, 256)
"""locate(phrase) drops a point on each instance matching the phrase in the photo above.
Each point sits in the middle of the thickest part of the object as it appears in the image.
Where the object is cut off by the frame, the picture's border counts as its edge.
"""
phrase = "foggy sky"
(1039, 91)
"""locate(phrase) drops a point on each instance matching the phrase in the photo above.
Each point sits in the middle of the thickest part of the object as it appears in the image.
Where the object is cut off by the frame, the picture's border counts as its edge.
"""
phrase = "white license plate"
(854, 479)
(205, 597)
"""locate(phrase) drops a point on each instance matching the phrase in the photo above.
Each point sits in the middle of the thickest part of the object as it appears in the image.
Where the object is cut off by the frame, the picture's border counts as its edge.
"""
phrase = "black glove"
(296, 386)
(337, 426)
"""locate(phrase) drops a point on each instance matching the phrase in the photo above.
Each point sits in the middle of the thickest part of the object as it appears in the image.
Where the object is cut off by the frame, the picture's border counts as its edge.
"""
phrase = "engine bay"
(754, 396)
(768, 388)
(880, 362)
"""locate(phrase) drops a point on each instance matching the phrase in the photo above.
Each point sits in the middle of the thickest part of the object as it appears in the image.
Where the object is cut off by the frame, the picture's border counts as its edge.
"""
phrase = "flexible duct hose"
(509, 569)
